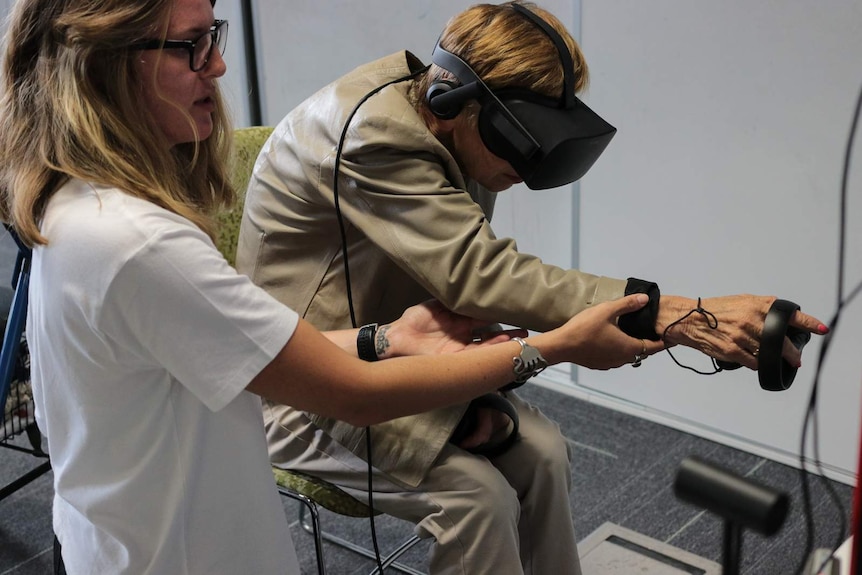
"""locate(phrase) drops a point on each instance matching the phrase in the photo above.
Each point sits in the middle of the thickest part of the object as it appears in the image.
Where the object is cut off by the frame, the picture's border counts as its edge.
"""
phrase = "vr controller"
(773, 371)
(470, 420)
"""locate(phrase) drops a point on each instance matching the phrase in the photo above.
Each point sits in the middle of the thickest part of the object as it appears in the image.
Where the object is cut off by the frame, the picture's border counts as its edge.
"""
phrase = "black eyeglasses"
(200, 49)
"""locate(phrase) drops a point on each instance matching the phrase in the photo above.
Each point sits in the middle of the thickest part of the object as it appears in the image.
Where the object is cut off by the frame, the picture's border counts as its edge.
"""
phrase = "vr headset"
(548, 142)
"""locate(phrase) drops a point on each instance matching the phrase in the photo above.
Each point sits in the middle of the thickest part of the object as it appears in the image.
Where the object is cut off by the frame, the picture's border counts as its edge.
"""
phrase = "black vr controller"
(773, 371)
(470, 420)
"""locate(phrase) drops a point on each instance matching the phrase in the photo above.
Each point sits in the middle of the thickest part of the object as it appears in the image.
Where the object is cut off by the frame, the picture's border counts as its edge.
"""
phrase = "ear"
(440, 127)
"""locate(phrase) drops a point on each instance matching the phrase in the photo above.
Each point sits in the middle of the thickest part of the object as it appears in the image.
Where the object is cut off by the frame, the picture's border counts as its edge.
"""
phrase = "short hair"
(507, 50)
(70, 108)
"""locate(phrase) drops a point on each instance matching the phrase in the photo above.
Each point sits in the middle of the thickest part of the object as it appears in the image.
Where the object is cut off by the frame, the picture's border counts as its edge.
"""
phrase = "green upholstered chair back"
(246, 147)
(322, 493)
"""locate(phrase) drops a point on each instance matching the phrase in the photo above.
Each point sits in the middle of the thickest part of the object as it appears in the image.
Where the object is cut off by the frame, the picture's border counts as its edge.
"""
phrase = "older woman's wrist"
(671, 308)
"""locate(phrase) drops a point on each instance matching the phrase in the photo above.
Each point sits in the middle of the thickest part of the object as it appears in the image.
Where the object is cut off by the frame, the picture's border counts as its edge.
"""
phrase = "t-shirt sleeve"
(176, 303)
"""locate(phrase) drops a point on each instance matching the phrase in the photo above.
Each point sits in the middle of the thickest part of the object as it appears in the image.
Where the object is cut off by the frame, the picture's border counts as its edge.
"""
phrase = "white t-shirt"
(142, 342)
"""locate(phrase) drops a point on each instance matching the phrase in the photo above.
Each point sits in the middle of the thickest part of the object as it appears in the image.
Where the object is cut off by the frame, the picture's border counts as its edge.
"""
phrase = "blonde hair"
(70, 108)
(507, 50)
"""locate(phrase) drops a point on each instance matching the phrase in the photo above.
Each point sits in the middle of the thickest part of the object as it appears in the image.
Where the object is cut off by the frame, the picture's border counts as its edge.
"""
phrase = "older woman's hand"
(429, 328)
(735, 335)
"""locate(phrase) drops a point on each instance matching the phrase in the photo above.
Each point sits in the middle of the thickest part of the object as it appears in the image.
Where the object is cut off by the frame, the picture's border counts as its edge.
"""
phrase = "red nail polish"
(822, 329)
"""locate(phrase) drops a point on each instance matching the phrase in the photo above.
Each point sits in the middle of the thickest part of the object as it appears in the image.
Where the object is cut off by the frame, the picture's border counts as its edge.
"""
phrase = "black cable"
(811, 410)
(810, 413)
(371, 503)
(337, 168)
(341, 229)
(711, 322)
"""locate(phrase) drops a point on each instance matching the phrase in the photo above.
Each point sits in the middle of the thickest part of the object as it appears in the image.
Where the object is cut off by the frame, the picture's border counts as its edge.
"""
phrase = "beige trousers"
(507, 516)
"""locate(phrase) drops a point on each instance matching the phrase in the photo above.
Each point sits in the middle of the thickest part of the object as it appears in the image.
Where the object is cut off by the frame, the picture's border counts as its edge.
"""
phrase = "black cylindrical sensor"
(736, 499)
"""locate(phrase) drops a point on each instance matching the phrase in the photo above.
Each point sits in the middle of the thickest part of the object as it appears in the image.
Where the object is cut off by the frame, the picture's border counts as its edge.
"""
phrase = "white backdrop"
(724, 178)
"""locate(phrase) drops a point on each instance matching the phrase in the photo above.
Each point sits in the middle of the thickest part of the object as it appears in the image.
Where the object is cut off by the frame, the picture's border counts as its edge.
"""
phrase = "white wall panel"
(724, 178)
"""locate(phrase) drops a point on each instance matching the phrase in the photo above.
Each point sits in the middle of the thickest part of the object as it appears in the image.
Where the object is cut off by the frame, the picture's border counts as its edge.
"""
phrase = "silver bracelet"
(529, 363)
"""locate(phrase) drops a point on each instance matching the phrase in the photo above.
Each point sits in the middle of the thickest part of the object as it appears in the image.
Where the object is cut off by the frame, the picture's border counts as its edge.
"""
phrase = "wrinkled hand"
(736, 336)
(595, 341)
(429, 328)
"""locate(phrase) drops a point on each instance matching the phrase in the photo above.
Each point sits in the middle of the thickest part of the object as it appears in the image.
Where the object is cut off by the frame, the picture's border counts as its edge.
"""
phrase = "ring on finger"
(640, 356)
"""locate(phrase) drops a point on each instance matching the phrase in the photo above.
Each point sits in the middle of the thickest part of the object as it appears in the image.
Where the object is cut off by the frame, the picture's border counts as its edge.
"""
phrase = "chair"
(310, 492)
(17, 412)
(247, 143)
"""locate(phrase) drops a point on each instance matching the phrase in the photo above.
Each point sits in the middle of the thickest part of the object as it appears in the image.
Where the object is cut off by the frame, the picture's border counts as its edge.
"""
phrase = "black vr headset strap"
(567, 100)
(336, 171)
(443, 100)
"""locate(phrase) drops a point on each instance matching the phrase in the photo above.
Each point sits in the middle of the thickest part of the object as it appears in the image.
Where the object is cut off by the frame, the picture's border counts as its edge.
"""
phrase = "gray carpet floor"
(623, 470)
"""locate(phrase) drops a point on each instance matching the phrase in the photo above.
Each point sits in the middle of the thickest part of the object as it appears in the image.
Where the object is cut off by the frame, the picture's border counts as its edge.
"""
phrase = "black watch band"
(365, 342)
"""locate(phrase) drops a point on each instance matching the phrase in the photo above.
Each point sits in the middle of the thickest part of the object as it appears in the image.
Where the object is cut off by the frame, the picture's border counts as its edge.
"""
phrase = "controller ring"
(773, 371)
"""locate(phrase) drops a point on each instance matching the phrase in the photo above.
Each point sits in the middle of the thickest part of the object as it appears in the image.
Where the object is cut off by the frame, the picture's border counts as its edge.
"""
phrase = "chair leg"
(387, 561)
(313, 528)
(25, 479)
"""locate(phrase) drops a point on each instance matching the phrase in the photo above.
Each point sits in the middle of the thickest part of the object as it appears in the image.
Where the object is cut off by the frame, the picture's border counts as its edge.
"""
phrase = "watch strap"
(365, 347)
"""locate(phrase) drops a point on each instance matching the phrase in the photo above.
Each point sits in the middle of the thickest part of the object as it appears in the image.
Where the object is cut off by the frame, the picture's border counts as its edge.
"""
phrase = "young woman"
(148, 350)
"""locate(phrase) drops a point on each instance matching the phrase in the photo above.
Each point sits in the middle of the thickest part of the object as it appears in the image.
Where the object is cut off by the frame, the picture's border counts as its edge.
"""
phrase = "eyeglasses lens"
(204, 46)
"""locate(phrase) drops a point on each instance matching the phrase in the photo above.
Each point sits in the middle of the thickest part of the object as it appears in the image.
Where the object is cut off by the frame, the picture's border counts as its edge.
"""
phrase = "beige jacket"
(414, 232)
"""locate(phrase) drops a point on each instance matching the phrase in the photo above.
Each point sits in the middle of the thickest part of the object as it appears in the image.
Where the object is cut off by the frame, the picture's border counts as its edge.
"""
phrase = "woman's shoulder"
(361, 95)
(104, 205)
(88, 216)
(381, 117)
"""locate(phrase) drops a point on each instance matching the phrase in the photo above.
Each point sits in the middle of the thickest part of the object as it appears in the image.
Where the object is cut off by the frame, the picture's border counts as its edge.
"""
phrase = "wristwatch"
(365, 342)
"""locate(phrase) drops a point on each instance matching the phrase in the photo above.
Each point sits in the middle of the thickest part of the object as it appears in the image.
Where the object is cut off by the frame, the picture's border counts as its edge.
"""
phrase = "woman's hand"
(735, 335)
(429, 328)
(592, 338)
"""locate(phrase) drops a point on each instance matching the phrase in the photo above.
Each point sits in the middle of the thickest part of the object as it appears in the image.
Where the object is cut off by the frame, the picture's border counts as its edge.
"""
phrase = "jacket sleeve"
(402, 189)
